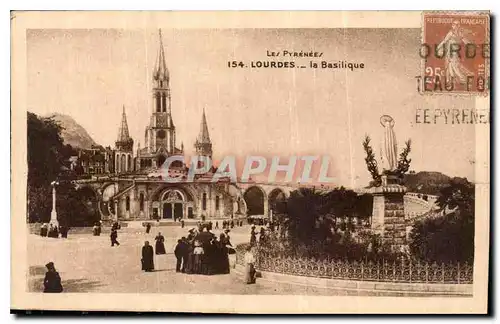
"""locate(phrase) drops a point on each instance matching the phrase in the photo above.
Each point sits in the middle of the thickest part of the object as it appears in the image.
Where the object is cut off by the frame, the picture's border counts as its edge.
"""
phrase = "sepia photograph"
(244, 162)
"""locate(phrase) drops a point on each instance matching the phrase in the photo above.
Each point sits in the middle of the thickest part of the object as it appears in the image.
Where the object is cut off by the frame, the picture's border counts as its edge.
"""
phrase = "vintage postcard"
(251, 162)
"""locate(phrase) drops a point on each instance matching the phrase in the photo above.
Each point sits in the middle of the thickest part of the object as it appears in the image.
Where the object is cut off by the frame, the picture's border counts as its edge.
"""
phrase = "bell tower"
(161, 132)
(203, 144)
(123, 147)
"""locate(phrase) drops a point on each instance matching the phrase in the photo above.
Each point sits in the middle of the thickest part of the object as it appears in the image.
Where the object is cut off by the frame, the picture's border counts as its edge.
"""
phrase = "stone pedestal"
(53, 213)
(53, 218)
(388, 217)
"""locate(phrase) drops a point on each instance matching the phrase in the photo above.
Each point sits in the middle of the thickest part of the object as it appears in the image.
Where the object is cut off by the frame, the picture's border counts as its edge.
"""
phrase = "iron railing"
(403, 270)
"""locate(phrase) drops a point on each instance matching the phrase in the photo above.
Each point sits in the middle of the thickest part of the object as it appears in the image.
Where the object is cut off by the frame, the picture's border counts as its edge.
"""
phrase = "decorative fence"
(401, 271)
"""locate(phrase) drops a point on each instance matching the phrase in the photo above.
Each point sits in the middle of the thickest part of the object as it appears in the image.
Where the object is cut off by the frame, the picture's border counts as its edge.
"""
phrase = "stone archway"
(90, 212)
(172, 203)
(255, 201)
(277, 197)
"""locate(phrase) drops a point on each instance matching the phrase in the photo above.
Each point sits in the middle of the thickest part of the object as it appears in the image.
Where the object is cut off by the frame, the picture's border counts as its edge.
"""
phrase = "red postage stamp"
(455, 51)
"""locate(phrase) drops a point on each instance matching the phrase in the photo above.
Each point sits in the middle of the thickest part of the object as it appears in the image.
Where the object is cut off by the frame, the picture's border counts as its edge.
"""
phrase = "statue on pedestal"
(389, 146)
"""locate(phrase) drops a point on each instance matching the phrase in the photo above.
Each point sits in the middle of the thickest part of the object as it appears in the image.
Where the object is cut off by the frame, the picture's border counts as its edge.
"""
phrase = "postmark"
(455, 53)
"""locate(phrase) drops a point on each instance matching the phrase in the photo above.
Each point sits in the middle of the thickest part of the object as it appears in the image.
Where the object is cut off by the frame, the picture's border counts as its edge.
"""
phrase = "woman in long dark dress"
(52, 280)
(147, 257)
(223, 258)
(160, 246)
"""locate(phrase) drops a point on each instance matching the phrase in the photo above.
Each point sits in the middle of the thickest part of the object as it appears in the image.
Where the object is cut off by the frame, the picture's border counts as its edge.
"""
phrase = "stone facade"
(137, 191)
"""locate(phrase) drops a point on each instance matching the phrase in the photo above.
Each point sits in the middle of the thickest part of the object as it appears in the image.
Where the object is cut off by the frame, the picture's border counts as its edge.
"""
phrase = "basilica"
(135, 190)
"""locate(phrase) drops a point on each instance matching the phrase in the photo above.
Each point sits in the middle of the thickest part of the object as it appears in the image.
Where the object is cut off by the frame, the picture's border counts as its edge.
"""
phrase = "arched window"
(164, 102)
(129, 163)
(158, 102)
(117, 163)
(127, 203)
(217, 202)
(204, 201)
(122, 163)
(141, 202)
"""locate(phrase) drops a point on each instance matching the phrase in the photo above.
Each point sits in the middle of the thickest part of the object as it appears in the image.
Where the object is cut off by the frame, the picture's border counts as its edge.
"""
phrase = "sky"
(91, 74)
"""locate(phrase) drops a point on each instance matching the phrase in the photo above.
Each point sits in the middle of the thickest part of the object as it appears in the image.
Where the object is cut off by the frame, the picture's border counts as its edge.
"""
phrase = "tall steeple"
(160, 73)
(203, 144)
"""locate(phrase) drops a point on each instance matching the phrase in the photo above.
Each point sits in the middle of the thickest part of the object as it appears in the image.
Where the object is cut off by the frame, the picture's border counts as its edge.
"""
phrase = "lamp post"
(53, 214)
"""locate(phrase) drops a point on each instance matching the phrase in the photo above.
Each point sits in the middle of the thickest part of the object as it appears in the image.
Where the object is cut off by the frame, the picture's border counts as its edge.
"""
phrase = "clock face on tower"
(161, 134)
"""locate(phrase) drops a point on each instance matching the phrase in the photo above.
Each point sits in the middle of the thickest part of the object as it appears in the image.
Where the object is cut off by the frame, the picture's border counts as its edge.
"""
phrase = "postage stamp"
(455, 51)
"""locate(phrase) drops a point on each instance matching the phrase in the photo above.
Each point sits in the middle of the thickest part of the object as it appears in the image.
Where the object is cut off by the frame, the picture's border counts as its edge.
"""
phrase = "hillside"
(426, 182)
(72, 132)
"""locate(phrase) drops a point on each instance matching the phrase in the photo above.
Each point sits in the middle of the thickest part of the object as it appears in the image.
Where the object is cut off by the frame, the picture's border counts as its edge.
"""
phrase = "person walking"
(52, 280)
(114, 236)
(147, 261)
(148, 228)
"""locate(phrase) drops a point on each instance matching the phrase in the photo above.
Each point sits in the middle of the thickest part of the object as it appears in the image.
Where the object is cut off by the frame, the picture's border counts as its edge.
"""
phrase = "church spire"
(203, 136)
(123, 134)
(160, 72)
(203, 144)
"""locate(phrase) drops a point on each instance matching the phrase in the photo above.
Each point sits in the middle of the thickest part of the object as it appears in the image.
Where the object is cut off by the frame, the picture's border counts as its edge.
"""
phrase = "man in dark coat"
(147, 257)
(179, 255)
(114, 236)
(52, 280)
(64, 231)
(148, 228)
(44, 230)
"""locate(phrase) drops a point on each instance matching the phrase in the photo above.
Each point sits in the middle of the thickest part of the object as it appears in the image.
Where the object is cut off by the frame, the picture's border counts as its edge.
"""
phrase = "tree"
(450, 237)
(371, 162)
(48, 161)
(304, 207)
(44, 164)
(404, 161)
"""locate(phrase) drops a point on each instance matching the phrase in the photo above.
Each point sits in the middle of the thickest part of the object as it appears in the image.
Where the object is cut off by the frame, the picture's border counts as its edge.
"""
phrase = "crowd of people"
(199, 252)
(54, 231)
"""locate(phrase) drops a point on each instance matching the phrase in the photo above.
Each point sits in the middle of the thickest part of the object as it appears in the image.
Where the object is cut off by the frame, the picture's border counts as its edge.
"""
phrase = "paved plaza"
(88, 263)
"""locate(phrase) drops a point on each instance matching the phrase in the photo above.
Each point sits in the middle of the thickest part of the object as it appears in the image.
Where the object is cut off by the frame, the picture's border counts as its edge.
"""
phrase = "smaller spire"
(123, 134)
(203, 136)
